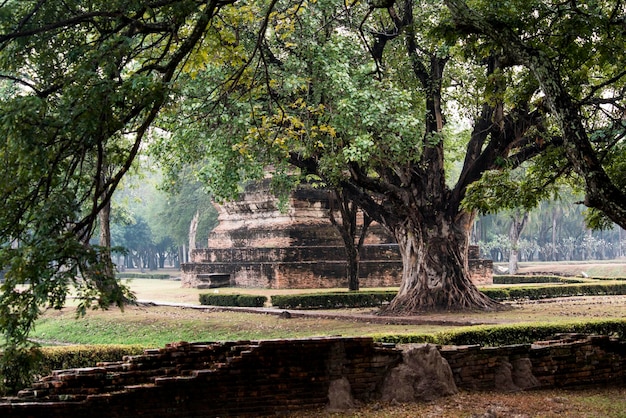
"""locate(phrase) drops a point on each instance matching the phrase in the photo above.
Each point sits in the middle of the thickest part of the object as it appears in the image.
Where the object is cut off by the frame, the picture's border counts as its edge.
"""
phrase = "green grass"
(157, 326)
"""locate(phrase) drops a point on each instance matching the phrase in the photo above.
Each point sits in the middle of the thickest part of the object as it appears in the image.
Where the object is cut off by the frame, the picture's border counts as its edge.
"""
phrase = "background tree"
(574, 52)
(556, 230)
(352, 226)
(164, 209)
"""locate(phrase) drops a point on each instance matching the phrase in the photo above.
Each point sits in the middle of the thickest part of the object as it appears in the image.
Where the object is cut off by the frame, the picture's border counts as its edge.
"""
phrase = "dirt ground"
(580, 403)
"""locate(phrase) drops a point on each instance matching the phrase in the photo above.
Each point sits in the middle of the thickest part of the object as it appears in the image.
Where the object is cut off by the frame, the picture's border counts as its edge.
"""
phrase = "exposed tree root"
(417, 302)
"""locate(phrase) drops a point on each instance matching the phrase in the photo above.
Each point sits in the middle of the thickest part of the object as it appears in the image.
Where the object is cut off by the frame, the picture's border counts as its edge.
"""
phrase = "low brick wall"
(261, 378)
(571, 360)
(208, 380)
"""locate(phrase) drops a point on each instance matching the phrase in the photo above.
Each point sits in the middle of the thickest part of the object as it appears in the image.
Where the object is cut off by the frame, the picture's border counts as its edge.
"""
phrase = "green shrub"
(17, 367)
(159, 276)
(499, 335)
(335, 300)
(545, 292)
(513, 279)
(25, 365)
(213, 299)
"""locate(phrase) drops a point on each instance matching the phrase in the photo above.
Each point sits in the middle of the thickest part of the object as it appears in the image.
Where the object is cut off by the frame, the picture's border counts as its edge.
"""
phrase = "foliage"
(331, 300)
(152, 217)
(340, 300)
(81, 82)
(360, 98)
(555, 231)
(66, 357)
(508, 279)
(17, 367)
(544, 292)
(232, 300)
(358, 95)
(572, 52)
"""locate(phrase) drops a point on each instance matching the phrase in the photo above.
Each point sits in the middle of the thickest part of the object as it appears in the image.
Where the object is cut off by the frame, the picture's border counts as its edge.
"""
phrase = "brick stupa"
(257, 245)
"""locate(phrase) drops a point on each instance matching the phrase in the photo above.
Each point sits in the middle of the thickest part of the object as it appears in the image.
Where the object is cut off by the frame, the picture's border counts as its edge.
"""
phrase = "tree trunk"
(515, 231)
(183, 254)
(435, 274)
(104, 277)
(353, 259)
(104, 217)
(162, 257)
(600, 191)
(193, 230)
(353, 237)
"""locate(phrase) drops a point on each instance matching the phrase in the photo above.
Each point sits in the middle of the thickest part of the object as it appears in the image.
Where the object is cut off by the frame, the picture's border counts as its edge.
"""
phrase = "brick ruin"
(276, 377)
(257, 245)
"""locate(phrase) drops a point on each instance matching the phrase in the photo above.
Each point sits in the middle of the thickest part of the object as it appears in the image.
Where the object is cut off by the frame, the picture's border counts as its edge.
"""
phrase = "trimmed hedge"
(364, 299)
(27, 366)
(159, 276)
(546, 292)
(499, 335)
(333, 300)
(514, 279)
(213, 299)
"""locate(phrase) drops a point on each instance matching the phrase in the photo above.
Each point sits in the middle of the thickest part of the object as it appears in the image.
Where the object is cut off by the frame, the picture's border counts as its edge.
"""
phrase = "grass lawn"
(155, 326)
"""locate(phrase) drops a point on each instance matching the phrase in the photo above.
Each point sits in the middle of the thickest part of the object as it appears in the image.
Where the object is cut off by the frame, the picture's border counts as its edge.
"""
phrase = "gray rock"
(340, 395)
(423, 375)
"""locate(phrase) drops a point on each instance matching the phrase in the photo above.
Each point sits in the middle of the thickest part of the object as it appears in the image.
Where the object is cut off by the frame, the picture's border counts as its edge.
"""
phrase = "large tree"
(359, 95)
(81, 83)
(574, 50)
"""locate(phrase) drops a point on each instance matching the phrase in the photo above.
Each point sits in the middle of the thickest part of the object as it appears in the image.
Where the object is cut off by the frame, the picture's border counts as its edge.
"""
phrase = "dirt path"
(548, 310)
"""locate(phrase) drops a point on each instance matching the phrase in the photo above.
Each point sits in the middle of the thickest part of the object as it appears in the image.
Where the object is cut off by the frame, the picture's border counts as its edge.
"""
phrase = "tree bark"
(105, 240)
(435, 273)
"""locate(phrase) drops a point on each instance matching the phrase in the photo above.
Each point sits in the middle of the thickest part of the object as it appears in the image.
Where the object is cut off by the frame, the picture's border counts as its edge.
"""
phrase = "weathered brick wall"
(573, 360)
(307, 267)
(261, 378)
(245, 378)
(481, 271)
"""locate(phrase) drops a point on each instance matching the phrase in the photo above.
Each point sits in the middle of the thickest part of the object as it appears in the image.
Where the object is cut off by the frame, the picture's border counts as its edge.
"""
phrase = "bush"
(213, 299)
(159, 276)
(75, 356)
(17, 367)
(25, 365)
(545, 292)
(335, 300)
(499, 335)
(513, 279)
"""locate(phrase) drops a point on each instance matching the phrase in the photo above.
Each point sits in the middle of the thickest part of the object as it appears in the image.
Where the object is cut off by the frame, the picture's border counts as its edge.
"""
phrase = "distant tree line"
(155, 224)
(554, 231)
